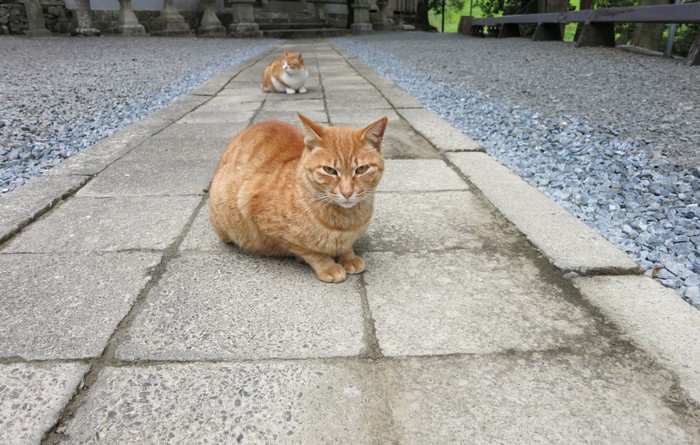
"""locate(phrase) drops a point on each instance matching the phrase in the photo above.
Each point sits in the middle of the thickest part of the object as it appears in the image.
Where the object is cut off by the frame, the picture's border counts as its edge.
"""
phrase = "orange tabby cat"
(280, 191)
(286, 74)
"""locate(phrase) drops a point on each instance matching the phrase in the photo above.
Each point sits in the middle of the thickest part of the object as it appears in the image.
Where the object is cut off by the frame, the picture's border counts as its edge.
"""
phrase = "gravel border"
(60, 95)
(612, 136)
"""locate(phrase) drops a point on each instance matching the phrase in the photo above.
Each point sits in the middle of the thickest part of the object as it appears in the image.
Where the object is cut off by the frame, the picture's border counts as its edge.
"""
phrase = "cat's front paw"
(290, 91)
(302, 90)
(334, 274)
(353, 265)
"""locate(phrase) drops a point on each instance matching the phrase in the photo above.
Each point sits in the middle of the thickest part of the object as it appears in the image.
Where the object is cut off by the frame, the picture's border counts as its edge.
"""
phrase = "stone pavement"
(487, 314)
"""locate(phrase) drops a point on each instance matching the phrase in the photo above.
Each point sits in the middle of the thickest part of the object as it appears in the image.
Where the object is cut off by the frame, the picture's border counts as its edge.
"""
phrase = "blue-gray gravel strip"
(612, 136)
(61, 95)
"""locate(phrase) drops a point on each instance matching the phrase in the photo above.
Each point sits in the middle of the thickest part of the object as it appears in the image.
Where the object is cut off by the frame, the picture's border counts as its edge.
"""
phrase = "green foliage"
(436, 5)
(493, 8)
(685, 36)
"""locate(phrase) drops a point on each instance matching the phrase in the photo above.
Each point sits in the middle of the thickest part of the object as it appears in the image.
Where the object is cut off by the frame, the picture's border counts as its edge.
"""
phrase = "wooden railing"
(598, 24)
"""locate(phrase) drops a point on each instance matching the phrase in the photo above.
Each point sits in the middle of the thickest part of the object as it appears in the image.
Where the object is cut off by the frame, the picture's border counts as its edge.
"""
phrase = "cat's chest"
(296, 80)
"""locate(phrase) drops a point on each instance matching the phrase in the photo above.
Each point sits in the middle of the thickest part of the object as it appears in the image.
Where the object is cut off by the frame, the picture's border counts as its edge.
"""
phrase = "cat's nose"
(346, 194)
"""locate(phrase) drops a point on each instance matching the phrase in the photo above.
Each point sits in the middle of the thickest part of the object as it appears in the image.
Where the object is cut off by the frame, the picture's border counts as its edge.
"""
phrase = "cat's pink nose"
(347, 195)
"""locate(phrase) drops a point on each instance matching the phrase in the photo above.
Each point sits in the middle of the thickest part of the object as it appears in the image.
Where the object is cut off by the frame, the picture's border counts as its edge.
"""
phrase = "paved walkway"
(486, 315)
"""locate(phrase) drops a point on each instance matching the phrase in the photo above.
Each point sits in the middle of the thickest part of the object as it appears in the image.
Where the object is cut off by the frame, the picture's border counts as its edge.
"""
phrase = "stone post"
(303, 6)
(378, 19)
(211, 25)
(320, 9)
(243, 19)
(360, 23)
(128, 23)
(170, 22)
(82, 13)
(35, 19)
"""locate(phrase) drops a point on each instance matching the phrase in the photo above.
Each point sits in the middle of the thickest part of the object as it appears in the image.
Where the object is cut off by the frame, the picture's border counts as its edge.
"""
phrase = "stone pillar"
(243, 19)
(35, 19)
(320, 10)
(128, 23)
(170, 22)
(211, 25)
(378, 19)
(82, 13)
(303, 7)
(360, 23)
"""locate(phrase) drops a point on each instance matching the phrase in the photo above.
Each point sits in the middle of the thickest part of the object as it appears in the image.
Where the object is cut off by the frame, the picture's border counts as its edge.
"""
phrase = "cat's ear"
(286, 53)
(299, 57)
(374, 133)
(312, 132)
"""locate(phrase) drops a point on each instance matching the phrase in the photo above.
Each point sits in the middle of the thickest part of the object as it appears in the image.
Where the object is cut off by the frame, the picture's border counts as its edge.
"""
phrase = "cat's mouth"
(346, 204)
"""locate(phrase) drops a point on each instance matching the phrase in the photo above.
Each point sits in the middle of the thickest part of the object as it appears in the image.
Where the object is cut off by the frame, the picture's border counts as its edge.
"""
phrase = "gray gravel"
(612, 136)
(60, 95)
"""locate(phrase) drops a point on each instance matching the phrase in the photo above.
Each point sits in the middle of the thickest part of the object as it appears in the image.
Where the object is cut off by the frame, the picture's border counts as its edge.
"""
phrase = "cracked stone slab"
(291, 117)
(211, 306)
(567, 241)
(402, 175)
(26, 203)
(444, 136)
(263, 402)
(108, 224)
(459, 302)
(294, 106)
(51, 311)
(209, 117)
(148, 176)
(654, 318)
(32, 397)
(182, 150)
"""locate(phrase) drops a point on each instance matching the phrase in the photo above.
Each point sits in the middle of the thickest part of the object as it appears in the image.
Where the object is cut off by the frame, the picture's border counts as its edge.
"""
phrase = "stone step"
(305, 33)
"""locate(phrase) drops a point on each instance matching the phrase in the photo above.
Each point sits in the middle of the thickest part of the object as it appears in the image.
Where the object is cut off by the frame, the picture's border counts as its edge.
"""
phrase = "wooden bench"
(598, 29)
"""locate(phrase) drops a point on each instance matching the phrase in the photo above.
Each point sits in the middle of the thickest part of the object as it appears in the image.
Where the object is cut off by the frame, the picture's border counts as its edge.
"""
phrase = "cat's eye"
(330, 170)
(362, 169)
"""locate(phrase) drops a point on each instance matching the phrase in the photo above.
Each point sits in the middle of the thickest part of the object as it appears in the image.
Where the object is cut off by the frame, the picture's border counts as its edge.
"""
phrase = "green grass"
(452, 19)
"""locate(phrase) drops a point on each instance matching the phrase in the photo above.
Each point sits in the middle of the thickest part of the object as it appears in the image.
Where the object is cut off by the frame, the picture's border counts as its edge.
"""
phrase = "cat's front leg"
(351, 262)
(326, 268)
(290, 90)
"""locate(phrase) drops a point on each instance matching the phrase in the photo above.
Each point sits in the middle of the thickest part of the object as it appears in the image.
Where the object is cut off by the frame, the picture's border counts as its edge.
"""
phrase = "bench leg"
(597, 34)
(509, 30)
(693, 58)
(547, 31)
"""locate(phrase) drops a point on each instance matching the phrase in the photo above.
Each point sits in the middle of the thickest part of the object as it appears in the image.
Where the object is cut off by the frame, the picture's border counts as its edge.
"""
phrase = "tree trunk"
(648, 35)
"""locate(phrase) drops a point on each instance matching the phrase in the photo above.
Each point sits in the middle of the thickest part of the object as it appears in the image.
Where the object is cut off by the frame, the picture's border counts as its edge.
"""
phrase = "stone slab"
(536, 398)
(229, 103)
(213, 306)
(568, 242)
(107, 224)
(291, 116)
(401, 175)
(267, 402)
(178, 108)
(218, 133)
(365, 104)
(399, 98)
(402, 142)
(228, 117)
(462, 302)
(434, 221)
(153, 177)
(174, 150)
(312, 93)
(653, 318)
(32, 397)
(26, 203)
(201, 235)
(294, 106)
(361, 118)
(442, 135)
(51, 310)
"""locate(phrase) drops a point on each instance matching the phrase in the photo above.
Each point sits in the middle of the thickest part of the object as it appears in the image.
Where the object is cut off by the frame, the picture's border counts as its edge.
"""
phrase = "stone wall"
(13, 18)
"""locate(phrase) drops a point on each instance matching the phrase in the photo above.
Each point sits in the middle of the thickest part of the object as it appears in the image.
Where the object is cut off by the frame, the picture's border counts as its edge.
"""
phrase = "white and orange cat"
(286, 74)
(282, 191)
